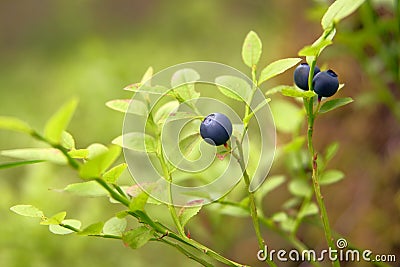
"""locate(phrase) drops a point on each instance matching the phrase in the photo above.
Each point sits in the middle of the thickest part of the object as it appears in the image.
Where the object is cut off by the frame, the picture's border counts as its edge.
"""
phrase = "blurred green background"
(51, 51)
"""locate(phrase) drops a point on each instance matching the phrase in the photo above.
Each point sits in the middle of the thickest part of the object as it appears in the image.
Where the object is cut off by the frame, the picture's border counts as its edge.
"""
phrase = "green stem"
(72, 162)
(292, 239)
(113, 193)
(186, 252)
(168, 177)
(316, 186)
(76, 230)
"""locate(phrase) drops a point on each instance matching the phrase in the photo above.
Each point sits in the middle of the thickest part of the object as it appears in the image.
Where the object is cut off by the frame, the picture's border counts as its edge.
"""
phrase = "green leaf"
(145, 88)
(28, 211)
(55, 219)
(233, 87)
(279, 217)
(295, 145)
(339, 10)
(269, 185)
(147, 75)
(44, 154)
(137, 141)
(138, 237)
(188, 145)
(59, 121)
(96, 150)
(287, 116)
(59, 230)
(308, 210)
(334, 104)
(314, 49)
(93, 229)
(331, 151)
(276, 68)
(330, 177)
(86, 189)
(165, 110)
(133, 106)
(184, 76)
(14, 124)
(188, 212)
(291, 203)
(139, 201)
(146, 80)
(260, 106)
(67, 140)
(234, 211)
(185, 93)
(299, 187)
(288, 225)
(135, 190)
(79, 153)
(294, 92)
(113, 174)
(95, 167)
(18, 163)
(179, 116)
(251, 50)
(276, 89)
(114, 226)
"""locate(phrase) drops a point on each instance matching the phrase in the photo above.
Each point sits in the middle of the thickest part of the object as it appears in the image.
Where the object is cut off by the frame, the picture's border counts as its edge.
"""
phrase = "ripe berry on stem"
(216, 129)
(301, 75)
(325, 83)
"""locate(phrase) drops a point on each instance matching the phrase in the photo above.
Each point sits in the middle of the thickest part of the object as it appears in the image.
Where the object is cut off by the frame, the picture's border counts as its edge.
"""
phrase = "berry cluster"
(324, 83)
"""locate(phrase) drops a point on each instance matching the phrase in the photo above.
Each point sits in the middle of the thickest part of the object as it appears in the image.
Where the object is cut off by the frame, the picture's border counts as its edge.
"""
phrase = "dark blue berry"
(301, 75)
(326, 83)
(216, 129)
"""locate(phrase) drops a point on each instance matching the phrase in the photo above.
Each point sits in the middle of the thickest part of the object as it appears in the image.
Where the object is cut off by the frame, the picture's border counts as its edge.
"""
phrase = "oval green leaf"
(27, 210)
(251, 50)
(276, 68)
(233, 87)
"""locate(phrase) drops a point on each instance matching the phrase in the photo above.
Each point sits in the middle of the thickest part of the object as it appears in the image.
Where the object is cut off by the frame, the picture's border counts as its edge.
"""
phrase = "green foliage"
(276, 68)
(55, 219)
(114, 226)
(67, 141)
(137, 237)
(188, 212)
(334, 104)
(96, 166)
(165, 110)
(112, 175)
(233, 87)
(137, 141)
(183, 83)
(14, 124)
(294, 92)
(93, 229)
(251, 50)
(56, 125)
(331, 176)
(139, 201)
(28, 211)
(18, 163)
(33, 154)
(128, 106)
(86, 189)
(299, 187)
(62, 230)
(338, 11)
(287, 116)
(305, 171)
